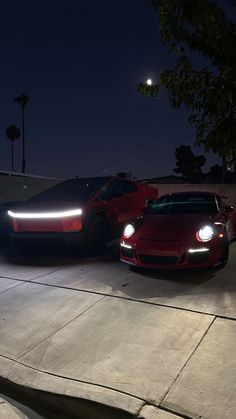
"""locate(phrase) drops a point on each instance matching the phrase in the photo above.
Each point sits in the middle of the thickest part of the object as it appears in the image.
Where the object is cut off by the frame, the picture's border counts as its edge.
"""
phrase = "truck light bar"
(59, 214)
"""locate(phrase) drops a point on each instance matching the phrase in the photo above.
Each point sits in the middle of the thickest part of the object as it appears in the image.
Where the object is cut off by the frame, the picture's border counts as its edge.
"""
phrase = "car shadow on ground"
(184, 275)
(46, 256)
(209, 289)
(105, 274)
(52, 256)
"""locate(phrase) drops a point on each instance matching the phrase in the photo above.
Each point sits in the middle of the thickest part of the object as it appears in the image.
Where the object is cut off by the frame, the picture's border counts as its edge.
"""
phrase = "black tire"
(96, 235)
(224, 255)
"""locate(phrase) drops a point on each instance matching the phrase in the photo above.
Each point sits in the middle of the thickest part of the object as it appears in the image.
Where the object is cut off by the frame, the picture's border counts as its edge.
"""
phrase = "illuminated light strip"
(200, 249)
(126, 245)
(218, 223)
(35, 215)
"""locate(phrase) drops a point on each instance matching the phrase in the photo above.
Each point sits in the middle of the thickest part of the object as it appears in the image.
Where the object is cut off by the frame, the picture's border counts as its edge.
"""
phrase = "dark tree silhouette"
(12, 133)
(22, 100)
(189, 165)
(206, 89)
(215, 173)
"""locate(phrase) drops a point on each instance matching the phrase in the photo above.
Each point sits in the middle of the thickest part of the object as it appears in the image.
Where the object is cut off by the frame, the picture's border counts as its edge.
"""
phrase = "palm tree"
(22, 100)
(12, 133)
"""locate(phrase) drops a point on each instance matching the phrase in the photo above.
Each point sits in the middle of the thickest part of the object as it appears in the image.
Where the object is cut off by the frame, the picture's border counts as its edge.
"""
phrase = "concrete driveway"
(153, 344)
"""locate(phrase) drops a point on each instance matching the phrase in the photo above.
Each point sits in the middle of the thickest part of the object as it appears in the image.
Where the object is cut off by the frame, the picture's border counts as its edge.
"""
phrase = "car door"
(228, 215)
(135, 200)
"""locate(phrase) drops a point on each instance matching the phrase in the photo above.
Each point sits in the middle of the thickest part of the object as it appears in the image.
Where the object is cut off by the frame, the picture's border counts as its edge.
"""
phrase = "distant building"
(125, 175)
(166, 179)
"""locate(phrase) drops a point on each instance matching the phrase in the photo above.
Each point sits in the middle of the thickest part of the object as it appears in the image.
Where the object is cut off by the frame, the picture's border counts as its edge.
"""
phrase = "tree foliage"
(199, 31)
(215, 173)
(189, 165)
(22, 100)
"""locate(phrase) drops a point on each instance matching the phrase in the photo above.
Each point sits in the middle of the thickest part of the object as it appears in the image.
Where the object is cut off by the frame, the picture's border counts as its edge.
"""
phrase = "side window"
(112, 190)
(221, 204)
(117, 188)
(129, 187)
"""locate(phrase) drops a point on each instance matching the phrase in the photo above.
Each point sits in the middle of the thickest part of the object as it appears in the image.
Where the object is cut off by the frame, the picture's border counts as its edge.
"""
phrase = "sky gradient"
(80, 63)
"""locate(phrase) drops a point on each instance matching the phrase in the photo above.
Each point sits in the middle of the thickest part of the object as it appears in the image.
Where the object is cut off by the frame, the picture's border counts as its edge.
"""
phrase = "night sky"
(80, 62)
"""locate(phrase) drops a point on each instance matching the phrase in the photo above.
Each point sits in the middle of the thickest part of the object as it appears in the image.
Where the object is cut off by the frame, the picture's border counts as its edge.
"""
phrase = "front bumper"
(48, 239)
(171, 255)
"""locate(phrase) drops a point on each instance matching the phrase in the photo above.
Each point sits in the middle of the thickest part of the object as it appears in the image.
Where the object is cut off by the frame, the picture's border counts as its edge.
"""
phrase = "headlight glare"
(205, 233)
(128, 230)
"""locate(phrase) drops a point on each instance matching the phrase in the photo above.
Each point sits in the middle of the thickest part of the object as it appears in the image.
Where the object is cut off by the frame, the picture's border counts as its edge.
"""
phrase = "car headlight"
(128, 230)
(205, 233)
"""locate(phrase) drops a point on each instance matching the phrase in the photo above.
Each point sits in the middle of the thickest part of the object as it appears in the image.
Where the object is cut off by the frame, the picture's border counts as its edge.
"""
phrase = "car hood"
(172, 227)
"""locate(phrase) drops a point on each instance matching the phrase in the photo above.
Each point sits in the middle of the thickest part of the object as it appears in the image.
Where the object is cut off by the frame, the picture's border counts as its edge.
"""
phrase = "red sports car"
(180, 230)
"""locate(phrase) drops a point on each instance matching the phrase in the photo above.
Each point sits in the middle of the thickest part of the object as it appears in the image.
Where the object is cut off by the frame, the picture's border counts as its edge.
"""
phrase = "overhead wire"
(126, 155)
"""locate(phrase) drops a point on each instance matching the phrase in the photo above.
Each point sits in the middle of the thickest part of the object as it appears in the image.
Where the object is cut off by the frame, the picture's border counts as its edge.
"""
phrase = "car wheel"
(96, 235)
(224, 256)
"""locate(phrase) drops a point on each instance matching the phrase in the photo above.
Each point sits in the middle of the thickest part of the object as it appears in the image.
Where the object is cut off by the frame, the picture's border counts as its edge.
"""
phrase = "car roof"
(105, 178)
(192, 193)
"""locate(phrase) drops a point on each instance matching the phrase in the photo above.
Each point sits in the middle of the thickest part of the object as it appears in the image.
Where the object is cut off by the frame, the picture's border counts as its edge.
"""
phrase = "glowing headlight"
(205, 233)
(129, 230)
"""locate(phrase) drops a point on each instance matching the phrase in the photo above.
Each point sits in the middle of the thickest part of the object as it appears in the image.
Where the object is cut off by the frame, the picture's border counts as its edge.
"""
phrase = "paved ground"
(8, 411)
(160, 345)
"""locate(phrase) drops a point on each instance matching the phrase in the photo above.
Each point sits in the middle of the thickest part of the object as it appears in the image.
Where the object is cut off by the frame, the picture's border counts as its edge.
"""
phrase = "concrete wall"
(227, 190)
(18, 187)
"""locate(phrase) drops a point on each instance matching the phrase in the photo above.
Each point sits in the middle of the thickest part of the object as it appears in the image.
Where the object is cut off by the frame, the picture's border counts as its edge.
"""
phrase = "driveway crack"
(59, 329)
(186, 362)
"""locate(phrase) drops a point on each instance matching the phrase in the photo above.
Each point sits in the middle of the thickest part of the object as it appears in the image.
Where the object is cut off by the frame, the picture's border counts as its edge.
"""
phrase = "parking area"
(136, 340)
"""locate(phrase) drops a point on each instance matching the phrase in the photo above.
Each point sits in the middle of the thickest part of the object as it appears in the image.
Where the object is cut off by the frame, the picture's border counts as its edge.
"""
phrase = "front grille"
(126, 252)
(159, 260)
(42, 242)
(200, 257)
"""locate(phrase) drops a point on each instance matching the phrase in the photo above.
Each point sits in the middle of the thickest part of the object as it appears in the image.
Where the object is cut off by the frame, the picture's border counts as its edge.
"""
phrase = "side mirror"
(148, 206)
(148, 202)
(229, 208)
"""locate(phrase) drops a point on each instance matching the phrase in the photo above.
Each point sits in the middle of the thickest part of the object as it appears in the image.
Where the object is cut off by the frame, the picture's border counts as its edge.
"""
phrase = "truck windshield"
(72, 190)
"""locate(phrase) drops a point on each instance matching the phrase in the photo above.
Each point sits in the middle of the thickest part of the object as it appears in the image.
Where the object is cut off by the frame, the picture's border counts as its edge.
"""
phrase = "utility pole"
(22, 100)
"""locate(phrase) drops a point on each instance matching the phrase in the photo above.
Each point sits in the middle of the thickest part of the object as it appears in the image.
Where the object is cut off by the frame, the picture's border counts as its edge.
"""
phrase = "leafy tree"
(12, 133)
(189, 165)
(199, 31)
(215, 173)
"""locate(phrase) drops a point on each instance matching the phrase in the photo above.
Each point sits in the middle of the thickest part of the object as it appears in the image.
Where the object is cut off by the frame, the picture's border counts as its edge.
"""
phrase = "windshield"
(185, 204)
(76, 190)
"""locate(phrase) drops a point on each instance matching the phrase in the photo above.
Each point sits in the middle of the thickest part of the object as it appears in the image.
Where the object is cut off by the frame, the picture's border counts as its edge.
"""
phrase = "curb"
(7, 411)
(73, 398)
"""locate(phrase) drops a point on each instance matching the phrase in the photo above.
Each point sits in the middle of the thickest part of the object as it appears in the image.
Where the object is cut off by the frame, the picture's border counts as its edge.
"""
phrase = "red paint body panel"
(69, 224)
